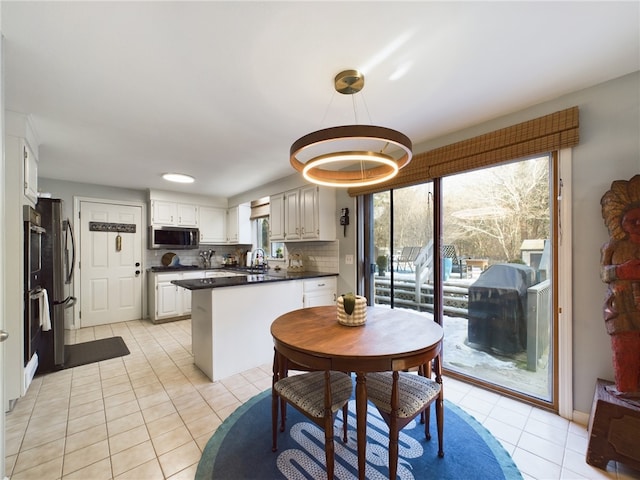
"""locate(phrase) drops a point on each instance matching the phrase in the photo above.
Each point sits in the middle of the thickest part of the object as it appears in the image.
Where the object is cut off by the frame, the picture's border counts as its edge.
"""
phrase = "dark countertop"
(179, 268)
(248, 279)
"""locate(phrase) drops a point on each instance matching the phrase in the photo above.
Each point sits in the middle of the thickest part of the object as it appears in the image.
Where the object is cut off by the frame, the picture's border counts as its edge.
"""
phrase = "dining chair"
(318, 395)
(402, 396)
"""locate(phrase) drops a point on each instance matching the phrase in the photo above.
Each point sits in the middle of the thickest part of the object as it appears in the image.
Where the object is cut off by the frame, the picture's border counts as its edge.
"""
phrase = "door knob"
(3, 335)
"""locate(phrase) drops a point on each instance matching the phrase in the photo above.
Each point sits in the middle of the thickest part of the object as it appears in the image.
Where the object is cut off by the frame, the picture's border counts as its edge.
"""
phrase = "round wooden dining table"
(390, 339)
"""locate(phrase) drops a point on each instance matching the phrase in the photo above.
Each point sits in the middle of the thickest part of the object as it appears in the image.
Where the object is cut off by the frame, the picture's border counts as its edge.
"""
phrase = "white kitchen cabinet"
(292, 215)
(284, 216)
(276, 218)
(187, 215)
(166, 300)
(186, 294)
(213, 225)
(317, 292)
(166, 296)
(239, 224)
(306, 213)
(163, 213)
(309, 213)
(30, 173)
(318, 214)
(171, 213)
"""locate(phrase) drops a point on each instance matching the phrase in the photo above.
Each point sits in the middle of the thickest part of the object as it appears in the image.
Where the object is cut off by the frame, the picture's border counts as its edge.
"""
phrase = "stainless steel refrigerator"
(58, 262)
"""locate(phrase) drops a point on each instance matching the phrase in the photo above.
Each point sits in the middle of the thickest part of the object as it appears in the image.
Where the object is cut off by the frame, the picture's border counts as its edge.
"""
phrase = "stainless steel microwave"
(174, 238)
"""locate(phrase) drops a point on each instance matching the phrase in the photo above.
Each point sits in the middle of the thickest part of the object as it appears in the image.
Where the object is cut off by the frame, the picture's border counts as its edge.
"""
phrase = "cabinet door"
(292, 215)
(187, 215)
(163, 213)
(30, 173)
(276, 217)
(309, 213)
(168, 300)
(186, 293)
(239, 224)
(320, 298)
(213, 221)
(232, 225)
(319, 292)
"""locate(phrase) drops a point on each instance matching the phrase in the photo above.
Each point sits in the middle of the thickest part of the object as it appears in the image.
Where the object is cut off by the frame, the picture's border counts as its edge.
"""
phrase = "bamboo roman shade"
(538, 136)
(260, 208)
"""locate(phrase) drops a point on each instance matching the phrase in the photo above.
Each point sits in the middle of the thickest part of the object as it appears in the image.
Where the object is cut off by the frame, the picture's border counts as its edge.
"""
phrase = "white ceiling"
(121, 92)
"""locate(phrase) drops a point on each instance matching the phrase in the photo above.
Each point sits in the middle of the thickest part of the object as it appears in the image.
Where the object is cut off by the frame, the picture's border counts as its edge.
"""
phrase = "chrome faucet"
(259, 259)
(206, 255)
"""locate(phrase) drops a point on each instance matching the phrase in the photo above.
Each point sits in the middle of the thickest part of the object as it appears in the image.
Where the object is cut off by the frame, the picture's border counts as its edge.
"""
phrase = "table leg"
(361, 422)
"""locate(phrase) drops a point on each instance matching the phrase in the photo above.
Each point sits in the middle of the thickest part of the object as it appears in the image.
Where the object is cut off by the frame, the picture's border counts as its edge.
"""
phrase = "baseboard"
(581, 418)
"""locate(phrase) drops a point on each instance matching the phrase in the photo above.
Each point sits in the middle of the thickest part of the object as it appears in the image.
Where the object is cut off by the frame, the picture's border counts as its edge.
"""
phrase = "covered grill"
(498, 308)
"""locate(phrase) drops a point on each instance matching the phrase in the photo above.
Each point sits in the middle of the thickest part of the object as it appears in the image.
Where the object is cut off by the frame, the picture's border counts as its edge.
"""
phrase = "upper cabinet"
(306, 213)
(30, 173)
(276, 218)
(221, 225)
(187, 215)
(172, 213)
(213, 225)
(239, 224)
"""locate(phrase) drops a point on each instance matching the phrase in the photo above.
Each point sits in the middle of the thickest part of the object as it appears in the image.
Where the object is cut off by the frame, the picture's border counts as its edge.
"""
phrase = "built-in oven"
(34, 301)
(34, 306)
(33, 233)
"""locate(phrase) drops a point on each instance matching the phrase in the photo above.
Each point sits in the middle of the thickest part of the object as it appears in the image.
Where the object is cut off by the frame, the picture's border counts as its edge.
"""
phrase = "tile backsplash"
(316, 256)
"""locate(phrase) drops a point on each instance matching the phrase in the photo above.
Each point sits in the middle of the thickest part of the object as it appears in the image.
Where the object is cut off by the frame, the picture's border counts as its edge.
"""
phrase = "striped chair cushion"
(414, 392)
(307, 391)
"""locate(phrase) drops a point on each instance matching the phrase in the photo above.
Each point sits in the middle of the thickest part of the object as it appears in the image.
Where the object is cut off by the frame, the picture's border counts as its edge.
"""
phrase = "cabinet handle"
(321, 284)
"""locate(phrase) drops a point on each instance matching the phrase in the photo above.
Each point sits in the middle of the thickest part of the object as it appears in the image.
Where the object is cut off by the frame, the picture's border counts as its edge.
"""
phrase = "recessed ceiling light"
(178, 177)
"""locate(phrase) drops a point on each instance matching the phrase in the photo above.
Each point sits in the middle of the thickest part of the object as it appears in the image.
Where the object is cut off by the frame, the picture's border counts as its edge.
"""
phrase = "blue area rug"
(241, 448)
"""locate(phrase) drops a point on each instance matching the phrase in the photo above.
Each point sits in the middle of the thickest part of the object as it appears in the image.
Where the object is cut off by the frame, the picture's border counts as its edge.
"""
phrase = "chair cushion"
(306, 391)
(415, 392)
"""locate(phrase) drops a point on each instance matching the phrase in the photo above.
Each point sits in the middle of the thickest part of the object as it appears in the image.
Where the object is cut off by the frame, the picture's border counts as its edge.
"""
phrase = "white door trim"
(565, 288)
(76, 233)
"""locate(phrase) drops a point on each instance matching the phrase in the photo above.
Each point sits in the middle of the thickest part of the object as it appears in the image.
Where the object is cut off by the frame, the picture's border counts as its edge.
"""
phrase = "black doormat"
(95, 351)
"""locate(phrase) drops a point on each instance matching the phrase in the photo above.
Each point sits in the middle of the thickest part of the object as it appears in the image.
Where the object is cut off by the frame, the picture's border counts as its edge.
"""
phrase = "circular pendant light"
(351, 155)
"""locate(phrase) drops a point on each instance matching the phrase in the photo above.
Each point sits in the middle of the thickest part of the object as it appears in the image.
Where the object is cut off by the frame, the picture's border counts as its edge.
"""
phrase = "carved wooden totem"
(620, 269)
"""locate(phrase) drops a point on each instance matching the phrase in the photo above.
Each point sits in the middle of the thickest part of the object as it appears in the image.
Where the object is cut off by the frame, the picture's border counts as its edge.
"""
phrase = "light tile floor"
(149, 415)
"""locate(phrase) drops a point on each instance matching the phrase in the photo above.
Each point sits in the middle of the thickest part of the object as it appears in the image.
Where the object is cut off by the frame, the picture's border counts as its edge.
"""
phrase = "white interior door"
(110, 269)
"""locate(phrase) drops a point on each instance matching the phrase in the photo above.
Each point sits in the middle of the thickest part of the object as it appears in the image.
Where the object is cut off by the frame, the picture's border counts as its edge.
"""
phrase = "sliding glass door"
(497, 264)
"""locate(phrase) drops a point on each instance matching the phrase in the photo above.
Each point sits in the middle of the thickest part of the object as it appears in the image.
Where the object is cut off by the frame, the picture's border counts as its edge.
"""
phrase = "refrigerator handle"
(71, 267)
(67, 302)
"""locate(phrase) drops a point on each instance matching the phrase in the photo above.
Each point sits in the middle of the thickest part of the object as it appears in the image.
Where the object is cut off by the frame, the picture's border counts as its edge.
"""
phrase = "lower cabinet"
(169, 302)
(317, 292)
(166, 300)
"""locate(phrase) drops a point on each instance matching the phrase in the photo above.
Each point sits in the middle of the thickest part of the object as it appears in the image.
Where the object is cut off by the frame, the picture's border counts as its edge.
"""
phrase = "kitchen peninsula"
(231, 316)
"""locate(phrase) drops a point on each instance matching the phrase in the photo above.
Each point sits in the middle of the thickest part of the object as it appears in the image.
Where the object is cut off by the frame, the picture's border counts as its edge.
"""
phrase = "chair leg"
(345, 419)
(426, 413)
(440, 422)
(274, 421)
(393, 448)
(283, 413)
(329, 447)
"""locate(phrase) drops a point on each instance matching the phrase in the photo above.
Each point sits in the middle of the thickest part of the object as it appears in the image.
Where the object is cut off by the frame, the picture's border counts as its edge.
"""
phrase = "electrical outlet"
(348, 259)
